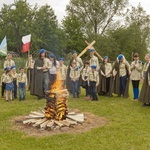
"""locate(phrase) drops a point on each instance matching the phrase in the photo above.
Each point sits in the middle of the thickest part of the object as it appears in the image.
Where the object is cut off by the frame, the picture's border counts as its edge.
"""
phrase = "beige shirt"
(94, 61)
(78, 62)
(63, 71)
(93, 76)
(9, 63)
(85, 73)
(108, 69)
(22, 78)
(30, 64)
(14, 75)
(136, 72)
(8, 79)
(47, 64)
(74, 73)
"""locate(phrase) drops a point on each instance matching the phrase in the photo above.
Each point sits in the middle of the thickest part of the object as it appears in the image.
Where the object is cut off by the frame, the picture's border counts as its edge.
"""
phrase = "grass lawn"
(128, 127)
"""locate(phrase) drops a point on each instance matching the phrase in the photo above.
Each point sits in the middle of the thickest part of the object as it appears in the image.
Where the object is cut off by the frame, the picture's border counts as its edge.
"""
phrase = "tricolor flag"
(26, 43)
(3, 47)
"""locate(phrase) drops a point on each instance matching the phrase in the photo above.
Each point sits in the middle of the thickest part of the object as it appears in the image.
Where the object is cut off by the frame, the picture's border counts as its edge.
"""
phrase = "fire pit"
(56, 113)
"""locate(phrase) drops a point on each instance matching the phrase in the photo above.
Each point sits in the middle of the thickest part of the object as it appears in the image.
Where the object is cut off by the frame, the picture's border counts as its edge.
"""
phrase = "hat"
(7, 68)
(61, 59)
(52, 55)
(91, 50)
(105, 57)
(12, 67)
(42, 51)
(120, 57)
(74, 52)
(93, 67)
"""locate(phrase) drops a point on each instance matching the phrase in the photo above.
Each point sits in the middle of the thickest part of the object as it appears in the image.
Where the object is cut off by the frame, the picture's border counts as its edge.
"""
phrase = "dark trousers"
(107, 84)
(29, 77)
(123, 81)
(52, 78)
(75, 89)
(135, 85)
(3, 88)
(15, 89)
(85, 85)
(93, 92)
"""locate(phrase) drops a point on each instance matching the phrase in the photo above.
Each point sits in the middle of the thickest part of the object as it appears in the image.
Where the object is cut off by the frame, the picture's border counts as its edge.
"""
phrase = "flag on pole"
(3, 47)
(26, 43)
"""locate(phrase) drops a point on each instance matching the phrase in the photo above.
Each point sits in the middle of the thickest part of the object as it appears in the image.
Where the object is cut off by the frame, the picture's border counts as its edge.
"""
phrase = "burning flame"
(58, 84)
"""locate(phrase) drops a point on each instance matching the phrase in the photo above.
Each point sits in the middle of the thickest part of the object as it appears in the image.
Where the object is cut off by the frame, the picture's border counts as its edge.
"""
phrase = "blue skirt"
(9, 86)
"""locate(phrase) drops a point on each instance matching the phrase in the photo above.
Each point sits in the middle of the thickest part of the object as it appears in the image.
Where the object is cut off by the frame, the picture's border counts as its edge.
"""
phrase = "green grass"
(128, 127)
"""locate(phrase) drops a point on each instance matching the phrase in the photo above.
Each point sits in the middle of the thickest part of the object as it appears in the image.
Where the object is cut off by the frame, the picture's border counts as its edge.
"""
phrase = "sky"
(59, 6)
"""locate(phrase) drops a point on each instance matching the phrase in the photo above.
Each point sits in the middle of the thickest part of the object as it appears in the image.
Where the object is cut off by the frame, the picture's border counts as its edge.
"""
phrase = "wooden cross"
(98, 55)
(87, 48)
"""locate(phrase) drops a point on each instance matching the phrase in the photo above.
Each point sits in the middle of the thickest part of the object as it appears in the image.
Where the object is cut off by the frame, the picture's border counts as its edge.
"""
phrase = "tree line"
(116, 27)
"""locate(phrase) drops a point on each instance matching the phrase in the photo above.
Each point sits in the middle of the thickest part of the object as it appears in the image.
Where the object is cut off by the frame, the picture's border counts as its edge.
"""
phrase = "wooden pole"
(85, 50)
(98, 55)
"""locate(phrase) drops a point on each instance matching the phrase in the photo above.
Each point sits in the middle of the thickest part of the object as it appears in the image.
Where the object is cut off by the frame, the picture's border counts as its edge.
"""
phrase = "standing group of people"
(11, 81)
(98, 79)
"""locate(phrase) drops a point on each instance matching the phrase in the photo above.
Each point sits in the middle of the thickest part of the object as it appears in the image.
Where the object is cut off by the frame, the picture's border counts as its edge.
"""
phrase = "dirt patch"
(91, 121)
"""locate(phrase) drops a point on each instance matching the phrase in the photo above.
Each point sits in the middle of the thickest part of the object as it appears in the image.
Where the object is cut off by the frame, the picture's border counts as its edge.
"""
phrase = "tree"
(95, 15)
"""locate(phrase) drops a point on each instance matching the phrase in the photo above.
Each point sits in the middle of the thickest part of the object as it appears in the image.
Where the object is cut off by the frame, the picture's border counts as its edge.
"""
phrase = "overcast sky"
(59, 6)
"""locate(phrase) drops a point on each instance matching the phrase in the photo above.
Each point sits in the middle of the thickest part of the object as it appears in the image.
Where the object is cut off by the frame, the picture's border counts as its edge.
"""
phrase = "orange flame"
(58, 84)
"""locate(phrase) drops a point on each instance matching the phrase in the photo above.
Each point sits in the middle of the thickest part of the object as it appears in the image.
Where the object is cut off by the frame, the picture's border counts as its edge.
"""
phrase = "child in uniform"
(93, 81)
(22, 84)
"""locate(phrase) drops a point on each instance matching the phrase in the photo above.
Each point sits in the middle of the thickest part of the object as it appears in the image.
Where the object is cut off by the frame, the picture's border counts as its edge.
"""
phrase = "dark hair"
(7, 71)
(21, 68)
(135, 55)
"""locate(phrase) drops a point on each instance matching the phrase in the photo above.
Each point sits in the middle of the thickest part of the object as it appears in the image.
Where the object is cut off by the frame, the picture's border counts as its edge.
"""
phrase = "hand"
(43, 68)
(149, 83)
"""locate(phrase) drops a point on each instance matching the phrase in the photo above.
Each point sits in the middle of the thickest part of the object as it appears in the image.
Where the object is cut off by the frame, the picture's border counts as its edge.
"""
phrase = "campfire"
(56, 113)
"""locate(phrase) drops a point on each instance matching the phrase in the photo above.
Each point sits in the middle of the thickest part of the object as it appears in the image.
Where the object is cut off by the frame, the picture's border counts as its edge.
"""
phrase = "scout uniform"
(29, 66)
(74, 75)
(8, 80)
(121, 72)
(22, 83)
(93, 81)
(136, 68)
(14, 75)
(85, 74)
(105, 72)
(9, 63)
(3, 84)
(93, 59)
(62, 70)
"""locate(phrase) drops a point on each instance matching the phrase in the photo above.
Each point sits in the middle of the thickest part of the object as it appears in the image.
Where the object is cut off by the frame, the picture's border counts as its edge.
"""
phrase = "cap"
(91, 50)
(93, 67)
(105, 57)
(42, 51)
(120, 57)
(52, 55)
(61, 59)
(12, 67)
(74, 52)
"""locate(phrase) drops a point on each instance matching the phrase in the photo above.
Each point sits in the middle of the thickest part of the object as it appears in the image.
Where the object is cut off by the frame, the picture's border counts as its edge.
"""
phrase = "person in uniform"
(22, 84)
(62, 70)
(79, 65)
(145, 91)
(14, 75)
(74, 76)
(3, 83)
(105, 76)
(85, 74)
(29, 66)
(121, 74)
(8, 79)
(136, 69)
(93, 59)
(8, 63)
(93, 82)
(40, 76)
